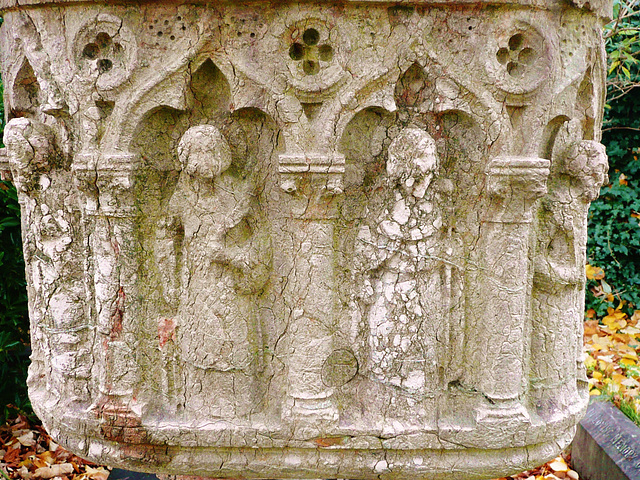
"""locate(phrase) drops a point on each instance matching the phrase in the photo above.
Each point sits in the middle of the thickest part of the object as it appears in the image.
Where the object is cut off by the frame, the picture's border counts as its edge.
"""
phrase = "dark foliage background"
(14, 320)
(614, 227)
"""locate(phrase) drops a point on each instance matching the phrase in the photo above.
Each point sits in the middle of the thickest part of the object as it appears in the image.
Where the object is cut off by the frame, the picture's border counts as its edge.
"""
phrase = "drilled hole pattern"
(91, 51)
(310, 53)
(311, 36)
(168, 28)
(517, 55)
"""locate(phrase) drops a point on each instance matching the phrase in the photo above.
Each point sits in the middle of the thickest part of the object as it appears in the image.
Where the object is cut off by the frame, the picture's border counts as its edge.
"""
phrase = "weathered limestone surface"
(306, 240)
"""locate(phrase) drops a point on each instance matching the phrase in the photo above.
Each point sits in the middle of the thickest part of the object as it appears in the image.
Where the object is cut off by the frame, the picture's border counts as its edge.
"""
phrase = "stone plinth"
(306, 240)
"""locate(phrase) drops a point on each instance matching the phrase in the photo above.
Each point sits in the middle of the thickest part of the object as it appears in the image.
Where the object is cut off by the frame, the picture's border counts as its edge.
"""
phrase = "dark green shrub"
(614, 241)
(14, 319)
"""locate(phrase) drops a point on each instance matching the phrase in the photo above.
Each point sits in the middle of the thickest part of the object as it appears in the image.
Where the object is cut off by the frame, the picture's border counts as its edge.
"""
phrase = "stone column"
(502, 266)
(314, 185)
(53, 256)
(108, 205)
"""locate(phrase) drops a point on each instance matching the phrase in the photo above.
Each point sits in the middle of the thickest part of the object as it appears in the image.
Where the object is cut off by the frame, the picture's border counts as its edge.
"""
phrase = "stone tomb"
(304, 240)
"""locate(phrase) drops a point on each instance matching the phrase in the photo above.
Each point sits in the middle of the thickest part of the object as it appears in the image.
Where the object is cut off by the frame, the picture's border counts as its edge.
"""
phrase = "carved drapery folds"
(331, 241)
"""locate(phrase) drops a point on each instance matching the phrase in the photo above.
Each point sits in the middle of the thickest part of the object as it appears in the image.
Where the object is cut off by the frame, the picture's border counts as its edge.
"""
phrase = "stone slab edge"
(607, 445)
(120, 474)
(602, 8)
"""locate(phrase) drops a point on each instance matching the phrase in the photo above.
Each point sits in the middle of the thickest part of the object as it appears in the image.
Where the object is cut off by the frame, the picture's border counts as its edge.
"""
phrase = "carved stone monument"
(306, 240)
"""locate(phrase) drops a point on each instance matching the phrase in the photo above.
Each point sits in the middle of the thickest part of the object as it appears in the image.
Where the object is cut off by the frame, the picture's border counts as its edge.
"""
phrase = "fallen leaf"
(27, 462)
(591, 327)
(623, 179)
(630, 382)
(12, 456)
(618, 378)
(559, 465)
(594, 273)
(603, 341)
(99, 473)
(20, 423)
(27, 439)
(54, 470)
(24, 473)
(47, 457)
(631, 330)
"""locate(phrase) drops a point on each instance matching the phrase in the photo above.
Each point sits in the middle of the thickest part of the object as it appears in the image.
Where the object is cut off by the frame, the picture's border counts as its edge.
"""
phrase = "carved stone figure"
(305, 239)
(405, 314)
(48, 205)
(217, 332)
(559, 280)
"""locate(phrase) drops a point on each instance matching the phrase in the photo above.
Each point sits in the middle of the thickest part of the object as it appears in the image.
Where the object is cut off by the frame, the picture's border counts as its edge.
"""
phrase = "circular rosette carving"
(519, 59)
(105, 51)
(313, 56)
(339, 368)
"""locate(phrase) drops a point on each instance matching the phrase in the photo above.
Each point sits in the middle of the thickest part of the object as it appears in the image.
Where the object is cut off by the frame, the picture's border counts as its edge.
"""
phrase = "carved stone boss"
(337, 240)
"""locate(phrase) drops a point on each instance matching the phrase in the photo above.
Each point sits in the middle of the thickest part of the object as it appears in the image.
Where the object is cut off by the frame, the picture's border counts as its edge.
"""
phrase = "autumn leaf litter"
(29, 453)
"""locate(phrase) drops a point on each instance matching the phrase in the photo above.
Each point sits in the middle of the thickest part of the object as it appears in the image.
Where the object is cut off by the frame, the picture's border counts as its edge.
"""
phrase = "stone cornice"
(602, 8)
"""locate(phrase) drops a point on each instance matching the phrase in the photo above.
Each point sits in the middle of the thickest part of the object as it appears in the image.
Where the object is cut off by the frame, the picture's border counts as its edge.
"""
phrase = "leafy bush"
(14, 319)
(614, 242)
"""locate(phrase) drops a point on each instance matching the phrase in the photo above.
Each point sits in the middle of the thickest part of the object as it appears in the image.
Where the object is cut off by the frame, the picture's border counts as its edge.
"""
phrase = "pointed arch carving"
(25, 97)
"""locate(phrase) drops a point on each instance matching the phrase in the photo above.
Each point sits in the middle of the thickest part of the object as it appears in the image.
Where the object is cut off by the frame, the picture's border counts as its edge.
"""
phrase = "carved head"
(30, 146)
(204, 152)
(413, 160)
(587, 162)
(15, 138)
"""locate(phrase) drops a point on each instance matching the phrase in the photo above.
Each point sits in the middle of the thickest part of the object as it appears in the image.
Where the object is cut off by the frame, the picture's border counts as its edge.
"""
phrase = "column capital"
(292, 167)
(514, 184)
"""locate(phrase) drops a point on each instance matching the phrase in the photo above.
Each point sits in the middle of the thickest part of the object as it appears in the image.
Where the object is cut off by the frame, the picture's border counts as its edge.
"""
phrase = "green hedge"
(14, 319)
(614, 227)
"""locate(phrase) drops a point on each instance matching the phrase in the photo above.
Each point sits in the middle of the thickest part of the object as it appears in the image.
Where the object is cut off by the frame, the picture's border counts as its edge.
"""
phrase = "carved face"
(15, 138)
(30, 148)
(588, 163)
(204, 152)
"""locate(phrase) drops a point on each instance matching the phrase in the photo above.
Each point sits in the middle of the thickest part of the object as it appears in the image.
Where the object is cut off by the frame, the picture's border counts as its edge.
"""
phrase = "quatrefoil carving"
(317, 52)
(312, 55)
(105, 51)
(522, 58)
